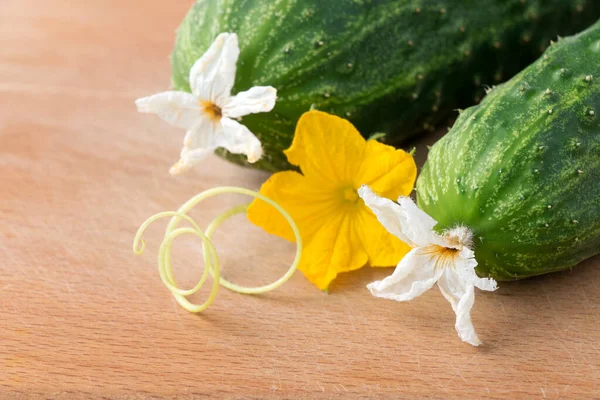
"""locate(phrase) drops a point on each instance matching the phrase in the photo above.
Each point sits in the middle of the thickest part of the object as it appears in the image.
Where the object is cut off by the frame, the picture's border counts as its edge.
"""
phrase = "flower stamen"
(350, 195)
(444, 256)
(212, 110)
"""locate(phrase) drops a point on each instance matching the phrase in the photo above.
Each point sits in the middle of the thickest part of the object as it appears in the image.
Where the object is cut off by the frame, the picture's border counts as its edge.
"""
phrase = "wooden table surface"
(82, 317)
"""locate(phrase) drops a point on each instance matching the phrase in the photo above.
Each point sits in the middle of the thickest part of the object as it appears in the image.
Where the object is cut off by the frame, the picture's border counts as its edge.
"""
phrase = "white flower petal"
(190, 158)
(205, 134)
(178, 108)
(213, 75)
(404, 220)
(199, 142)
(238, 139)
(256, 100)
(452, 287)
(487, 284)
(461, 296)
(415, 274)
(464, 326)
(464, 267)
(387, 213)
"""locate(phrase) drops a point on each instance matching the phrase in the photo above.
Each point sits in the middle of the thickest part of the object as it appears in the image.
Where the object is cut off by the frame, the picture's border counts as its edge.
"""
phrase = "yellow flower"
(340, 233)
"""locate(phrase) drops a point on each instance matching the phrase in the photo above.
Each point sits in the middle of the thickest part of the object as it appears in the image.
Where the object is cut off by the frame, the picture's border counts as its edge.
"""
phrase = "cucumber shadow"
(422, 141)
(554, 309)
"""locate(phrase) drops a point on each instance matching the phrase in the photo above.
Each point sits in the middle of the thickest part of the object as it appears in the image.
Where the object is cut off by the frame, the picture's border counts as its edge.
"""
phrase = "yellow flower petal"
(388, 172)
(331, 243)
(333, 249)
(340, 233)
(326, 148)
(306, 204)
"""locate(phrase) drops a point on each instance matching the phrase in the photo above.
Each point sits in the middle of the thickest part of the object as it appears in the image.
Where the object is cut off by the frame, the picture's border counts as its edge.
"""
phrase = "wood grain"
(82, 317)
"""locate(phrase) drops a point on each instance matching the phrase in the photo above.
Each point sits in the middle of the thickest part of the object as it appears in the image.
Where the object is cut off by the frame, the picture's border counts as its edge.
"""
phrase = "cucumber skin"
(522, 168)
(392, 66)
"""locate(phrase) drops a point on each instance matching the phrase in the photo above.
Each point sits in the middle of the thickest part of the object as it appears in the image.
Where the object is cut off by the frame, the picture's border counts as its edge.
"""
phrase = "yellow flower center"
(350, 195)
(212, 110)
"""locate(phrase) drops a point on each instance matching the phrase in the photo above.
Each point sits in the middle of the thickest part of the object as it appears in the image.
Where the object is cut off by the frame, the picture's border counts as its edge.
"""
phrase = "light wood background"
(82, 317)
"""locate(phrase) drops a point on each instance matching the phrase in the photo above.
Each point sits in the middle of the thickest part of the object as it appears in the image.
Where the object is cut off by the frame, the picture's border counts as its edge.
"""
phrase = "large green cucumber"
(392, 66)
(522, 169)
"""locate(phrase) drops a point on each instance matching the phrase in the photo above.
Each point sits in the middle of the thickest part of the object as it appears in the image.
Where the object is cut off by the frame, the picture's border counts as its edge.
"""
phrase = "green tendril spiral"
(211, 260)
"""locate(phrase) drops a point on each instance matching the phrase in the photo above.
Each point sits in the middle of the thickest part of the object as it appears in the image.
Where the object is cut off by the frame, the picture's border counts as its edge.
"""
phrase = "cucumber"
(389, 66)
(522, 168)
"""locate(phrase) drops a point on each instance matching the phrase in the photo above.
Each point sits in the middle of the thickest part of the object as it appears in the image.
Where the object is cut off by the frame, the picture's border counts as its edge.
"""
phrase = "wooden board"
(82, 317)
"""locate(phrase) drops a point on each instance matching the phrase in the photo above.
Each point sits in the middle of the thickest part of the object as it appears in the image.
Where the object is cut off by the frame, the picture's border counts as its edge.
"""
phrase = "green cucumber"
(391, 66)
(522, 168)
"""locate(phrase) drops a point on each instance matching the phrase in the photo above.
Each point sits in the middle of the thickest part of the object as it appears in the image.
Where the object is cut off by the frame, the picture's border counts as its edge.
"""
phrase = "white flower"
(208, 112)
(446, 259)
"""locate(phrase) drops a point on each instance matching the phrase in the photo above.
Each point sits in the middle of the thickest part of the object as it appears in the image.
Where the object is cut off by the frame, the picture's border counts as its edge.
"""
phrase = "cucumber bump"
(392, 66)
(522, 168)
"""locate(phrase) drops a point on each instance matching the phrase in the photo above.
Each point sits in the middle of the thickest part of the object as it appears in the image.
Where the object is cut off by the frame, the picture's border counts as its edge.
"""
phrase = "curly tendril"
(211, 260)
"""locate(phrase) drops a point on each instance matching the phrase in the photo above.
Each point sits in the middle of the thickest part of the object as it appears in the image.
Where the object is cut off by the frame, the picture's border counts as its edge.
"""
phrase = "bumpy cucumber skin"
(522, 168)
(392, 66)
